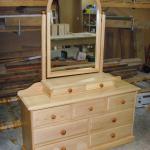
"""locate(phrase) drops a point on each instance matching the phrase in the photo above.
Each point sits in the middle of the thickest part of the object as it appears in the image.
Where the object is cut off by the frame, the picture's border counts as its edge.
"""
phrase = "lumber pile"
(125, 68)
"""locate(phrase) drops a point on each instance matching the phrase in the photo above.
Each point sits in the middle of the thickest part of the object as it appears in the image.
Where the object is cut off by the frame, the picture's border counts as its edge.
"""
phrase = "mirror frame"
(46, 45)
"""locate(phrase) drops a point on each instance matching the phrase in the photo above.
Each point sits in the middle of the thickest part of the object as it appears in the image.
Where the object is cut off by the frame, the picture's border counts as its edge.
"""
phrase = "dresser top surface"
(76, 80)
(36, 98)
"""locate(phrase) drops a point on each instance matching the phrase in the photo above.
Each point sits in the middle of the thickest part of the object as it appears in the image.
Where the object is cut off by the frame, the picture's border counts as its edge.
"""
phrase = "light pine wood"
(111, 135)
(102, 42)
(43, 46)
(98, 106)
(121, 102)
(93, 111)
(48, 134)
(114, 143)
(51, 115)
(68, 90)
(112, 120)
(26, 128)
(80, 143)
(36, 98)
(96, 113)
(99, 53)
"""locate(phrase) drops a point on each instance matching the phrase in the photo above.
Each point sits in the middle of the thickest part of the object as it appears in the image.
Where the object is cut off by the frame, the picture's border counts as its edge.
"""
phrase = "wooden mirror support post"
(80, 109)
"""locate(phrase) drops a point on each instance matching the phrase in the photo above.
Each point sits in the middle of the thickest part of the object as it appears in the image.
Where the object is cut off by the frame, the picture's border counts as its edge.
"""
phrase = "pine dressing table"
(79, 108)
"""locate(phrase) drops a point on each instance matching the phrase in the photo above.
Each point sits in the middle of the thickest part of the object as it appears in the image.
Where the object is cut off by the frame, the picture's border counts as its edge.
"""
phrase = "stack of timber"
(125, 68)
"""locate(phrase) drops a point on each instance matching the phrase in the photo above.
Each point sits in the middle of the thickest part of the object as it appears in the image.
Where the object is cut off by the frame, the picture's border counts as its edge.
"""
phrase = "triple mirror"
(74, 37)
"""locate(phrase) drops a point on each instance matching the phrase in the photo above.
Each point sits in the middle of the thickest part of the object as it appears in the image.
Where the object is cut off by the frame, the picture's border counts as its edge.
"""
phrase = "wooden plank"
(28, 21)
(13, 3)
(118, 24)
(125, 5)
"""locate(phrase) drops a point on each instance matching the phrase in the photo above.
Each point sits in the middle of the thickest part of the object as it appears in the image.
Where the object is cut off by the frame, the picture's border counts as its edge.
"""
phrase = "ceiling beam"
(125, 5)
(16, 3)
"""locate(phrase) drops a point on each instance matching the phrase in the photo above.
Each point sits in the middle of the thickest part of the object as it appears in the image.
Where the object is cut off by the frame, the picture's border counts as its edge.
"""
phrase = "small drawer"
(111, 135)
(80, 143)
(62, 131)
(112, 120)
(99, 85)
(89, 108)
(68, 90)
(120, 102)
(51, 115)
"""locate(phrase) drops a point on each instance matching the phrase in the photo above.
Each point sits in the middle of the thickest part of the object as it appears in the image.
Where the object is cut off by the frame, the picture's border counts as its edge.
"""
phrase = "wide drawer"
(51, 115)
(120, 102)
(111, 135)
(80, 143)
(61, 131)
(90, 107)
(112, 120)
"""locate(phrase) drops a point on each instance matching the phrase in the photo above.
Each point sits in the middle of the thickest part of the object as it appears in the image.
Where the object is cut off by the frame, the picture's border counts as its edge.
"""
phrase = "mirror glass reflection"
(73, 35)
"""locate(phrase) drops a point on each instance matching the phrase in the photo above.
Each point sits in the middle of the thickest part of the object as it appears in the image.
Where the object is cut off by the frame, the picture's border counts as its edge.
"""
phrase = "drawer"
(100, 85)
(112, 120)
(90, 107)
(61, 131)
(111, 135)
(68, 90)
(121, 102)
(51, 115)
(80, 143)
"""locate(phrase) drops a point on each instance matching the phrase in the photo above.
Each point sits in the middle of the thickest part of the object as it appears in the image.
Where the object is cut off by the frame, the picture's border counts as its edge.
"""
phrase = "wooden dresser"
(88, 112)
(79, 107)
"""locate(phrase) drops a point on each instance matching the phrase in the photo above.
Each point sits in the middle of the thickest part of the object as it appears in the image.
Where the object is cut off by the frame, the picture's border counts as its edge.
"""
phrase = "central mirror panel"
(73, 33)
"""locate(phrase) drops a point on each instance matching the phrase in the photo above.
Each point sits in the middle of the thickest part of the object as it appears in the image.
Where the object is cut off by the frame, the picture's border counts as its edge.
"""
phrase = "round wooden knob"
(123, 102)
(63, 132)
(63, 148)
(113, 135)
(114, 120)
(101, 85)
(53, 117)
(91, 108)
(70, 90)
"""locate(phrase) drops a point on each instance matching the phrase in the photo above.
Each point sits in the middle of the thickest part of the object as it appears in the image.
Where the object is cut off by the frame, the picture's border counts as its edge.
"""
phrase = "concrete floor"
(12, 139)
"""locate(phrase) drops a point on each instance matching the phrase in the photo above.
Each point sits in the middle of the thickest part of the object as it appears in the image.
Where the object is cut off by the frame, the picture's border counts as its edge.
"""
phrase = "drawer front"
(112, 120)
(51, 115)
(80, 143)
(111, 135)
(68, 90)
(100, 85)
(119, 102)
(62, 131)
(89, 108)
